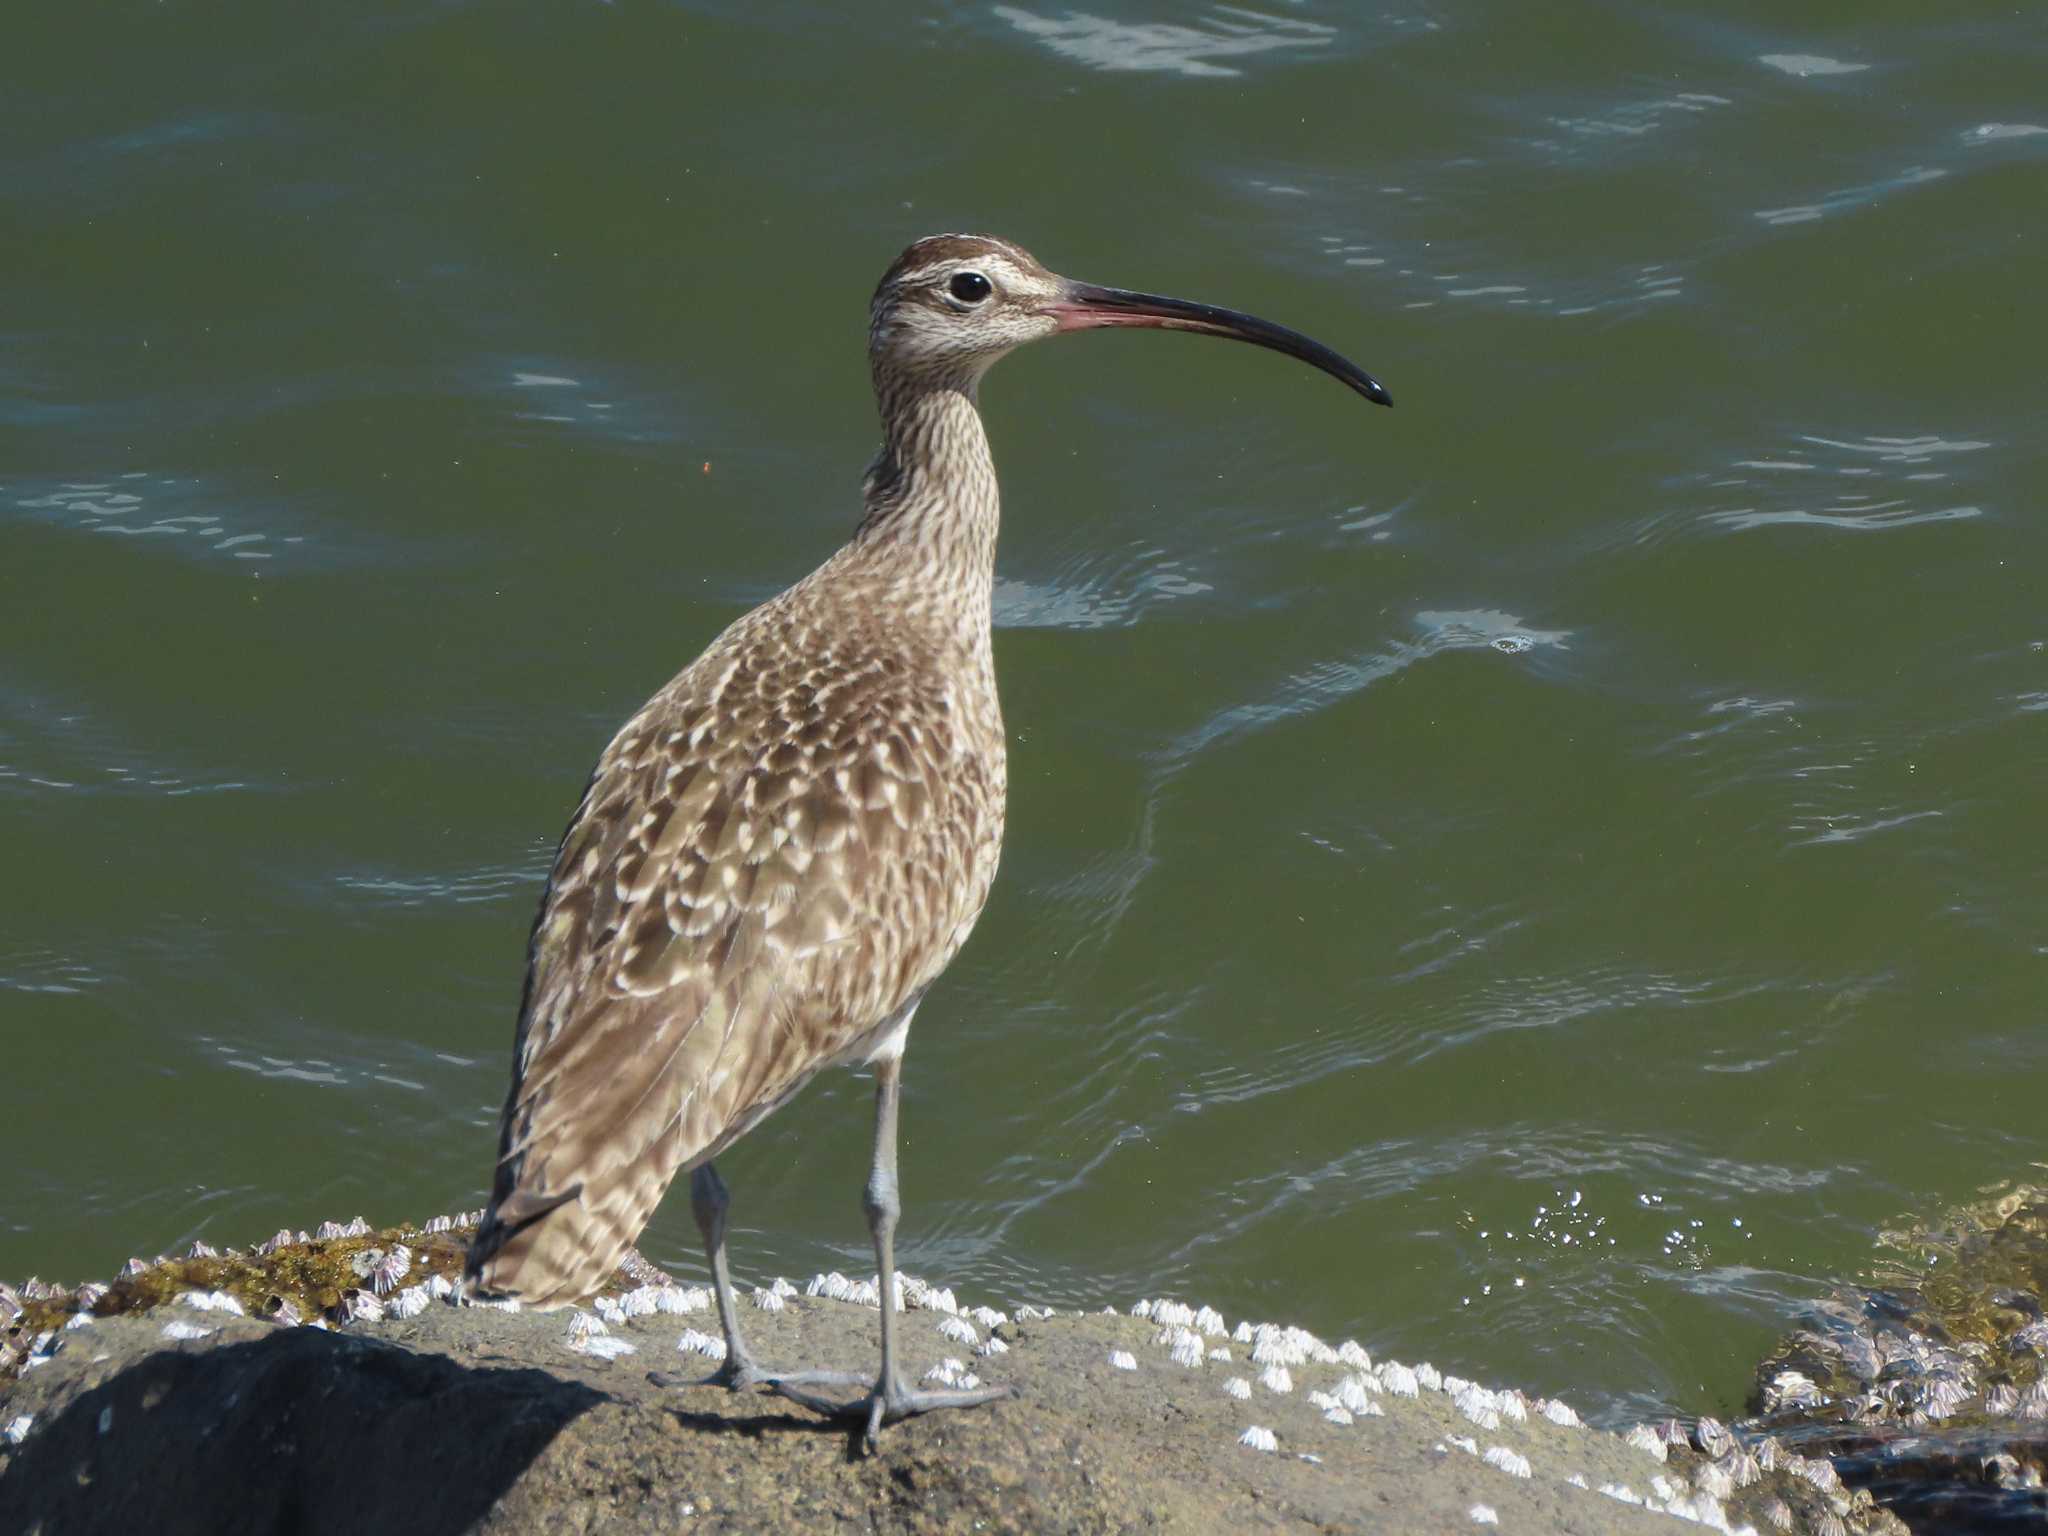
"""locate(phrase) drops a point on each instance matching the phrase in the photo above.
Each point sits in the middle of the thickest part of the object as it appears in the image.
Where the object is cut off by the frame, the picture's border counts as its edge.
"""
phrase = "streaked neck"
(933, 509)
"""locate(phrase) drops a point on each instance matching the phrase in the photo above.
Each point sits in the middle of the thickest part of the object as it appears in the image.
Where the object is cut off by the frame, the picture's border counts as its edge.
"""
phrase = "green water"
(1533, 879)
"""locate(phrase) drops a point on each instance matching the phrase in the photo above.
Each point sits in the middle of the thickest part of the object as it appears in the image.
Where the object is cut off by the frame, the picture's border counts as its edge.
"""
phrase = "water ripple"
(73, 751)
(1098, 589)
(46, 971)
(1845, 198)
(1992, 133)
(1807, 64)
(1860, 518)
(1634, 119)
(560, 393)
(1854, 828)
(1569, 297)
(1327, 681)
(139, 505)
(468, 888)
(1191, 51)
(1891, 472)
(364, 1073)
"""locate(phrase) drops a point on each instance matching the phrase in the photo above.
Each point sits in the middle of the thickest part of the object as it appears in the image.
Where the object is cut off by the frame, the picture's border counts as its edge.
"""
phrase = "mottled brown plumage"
(787, 844)
(775, 857)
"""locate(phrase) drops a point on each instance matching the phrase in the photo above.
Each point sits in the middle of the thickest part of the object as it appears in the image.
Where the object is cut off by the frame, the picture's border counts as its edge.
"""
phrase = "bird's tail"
(526, 1247)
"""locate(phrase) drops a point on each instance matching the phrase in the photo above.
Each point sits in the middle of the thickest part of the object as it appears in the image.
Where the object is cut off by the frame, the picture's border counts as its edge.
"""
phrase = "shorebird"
(778, 855)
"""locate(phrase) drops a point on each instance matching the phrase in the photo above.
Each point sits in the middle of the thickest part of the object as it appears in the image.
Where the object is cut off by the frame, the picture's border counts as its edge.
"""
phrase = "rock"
(469, 1419)
(304, 1403)
(1918, 1387)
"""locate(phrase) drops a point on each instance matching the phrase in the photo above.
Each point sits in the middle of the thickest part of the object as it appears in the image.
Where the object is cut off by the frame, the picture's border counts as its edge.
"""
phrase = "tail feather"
(488, 1267)
(555, 1247)
(547, 1250)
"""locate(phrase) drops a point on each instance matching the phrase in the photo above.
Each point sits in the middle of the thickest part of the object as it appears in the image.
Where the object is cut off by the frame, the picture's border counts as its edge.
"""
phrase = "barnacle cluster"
(1928, 1383)
(338, 1271)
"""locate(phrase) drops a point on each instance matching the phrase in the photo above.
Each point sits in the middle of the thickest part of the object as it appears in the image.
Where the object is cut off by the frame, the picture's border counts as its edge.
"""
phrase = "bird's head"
(953, 304)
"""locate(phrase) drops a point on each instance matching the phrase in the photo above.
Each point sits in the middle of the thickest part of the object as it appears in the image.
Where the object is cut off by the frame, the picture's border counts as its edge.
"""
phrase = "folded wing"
(765, 868)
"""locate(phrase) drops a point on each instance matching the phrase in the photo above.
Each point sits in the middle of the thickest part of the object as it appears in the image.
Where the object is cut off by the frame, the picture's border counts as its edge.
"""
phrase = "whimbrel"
(778, 855)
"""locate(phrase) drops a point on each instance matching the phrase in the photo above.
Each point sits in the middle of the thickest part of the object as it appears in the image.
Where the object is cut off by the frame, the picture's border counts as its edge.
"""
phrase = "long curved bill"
(1083, 306)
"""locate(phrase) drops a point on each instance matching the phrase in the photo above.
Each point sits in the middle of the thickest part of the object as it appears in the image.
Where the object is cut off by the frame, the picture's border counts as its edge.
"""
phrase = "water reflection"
(464, 888)
(1326, 681)
(1805, 64)
(1101, 42)
(1852, 197)
(55, 744)
(127, 506)
(1991, 133)
(41, 970)
(1898, 460)
(1634, 119)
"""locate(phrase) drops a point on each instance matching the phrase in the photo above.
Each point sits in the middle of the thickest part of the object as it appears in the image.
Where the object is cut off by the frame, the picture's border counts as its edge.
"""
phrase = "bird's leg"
(709, 1201)
(891, 1399)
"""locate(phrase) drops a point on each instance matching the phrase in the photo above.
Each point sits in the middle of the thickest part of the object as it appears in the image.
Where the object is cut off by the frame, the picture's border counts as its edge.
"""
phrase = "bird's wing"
(760, 873)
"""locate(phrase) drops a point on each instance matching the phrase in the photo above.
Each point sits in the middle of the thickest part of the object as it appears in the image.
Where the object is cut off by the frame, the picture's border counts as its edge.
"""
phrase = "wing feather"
(764, 869)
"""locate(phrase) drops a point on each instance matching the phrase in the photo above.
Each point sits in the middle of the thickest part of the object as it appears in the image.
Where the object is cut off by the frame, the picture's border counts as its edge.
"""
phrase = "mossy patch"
(313, 1278)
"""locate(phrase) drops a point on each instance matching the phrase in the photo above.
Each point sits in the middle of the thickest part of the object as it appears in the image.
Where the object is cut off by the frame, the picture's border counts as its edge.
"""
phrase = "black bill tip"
(1084, 306)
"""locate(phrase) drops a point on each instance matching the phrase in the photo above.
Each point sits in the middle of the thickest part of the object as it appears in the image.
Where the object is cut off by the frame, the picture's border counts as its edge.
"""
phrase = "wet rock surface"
(160, 1405)
(1928, 1386)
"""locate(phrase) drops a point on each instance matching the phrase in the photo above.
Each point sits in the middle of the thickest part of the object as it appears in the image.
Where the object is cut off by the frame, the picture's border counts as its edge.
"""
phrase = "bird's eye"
(970, 287)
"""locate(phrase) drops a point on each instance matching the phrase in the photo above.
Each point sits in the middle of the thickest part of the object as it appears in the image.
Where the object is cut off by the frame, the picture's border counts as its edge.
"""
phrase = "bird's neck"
(932, 505)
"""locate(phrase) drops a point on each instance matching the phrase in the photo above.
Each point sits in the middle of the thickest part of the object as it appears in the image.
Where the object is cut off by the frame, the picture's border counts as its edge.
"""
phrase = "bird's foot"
(886, 1403)
(736, 1375)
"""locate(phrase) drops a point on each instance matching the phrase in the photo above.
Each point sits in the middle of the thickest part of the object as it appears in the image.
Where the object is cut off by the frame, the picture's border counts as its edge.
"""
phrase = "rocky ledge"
(332, 1383)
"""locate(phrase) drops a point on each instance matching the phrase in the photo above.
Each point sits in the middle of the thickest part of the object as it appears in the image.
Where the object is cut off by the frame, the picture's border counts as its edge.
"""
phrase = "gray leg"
(709, 1201)
(891, 1399)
